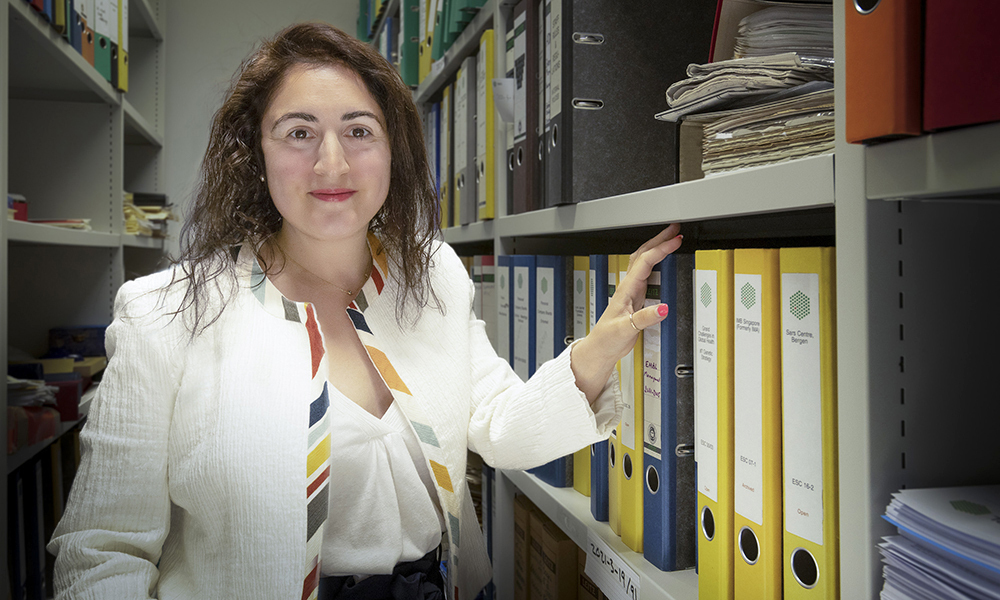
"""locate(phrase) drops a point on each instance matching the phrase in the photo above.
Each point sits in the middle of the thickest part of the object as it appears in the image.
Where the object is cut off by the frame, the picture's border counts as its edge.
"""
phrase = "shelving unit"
(913, 221)
(72, 144)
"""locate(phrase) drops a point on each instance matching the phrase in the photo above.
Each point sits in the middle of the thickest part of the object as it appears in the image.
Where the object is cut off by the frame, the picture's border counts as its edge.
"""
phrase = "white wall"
(205, 42)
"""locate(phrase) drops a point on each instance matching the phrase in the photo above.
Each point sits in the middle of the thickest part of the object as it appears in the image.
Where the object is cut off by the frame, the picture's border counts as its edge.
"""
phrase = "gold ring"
(631, 322)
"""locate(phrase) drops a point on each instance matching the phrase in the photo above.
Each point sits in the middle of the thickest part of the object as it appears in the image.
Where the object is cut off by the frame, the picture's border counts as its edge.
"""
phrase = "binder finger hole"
(627, 465)
(611, 455)
(520, 156)
(804, 568)
(510, 163)
(555, 136)
(708, 523)
(749, 546)
(652, 480)
(866, 6)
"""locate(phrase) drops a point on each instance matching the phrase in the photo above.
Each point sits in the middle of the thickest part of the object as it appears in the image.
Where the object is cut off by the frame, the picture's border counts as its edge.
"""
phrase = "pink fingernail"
(663, 309)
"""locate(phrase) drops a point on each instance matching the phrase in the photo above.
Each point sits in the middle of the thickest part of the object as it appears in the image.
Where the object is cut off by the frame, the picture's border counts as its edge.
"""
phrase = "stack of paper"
(147, 214)
(948, 544)
(785, 129)
(29, 392)
(806, 30)
(742, 82)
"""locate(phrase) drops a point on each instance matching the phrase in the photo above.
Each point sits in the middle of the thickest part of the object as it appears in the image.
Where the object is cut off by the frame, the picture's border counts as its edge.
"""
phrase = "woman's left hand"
(614, 335)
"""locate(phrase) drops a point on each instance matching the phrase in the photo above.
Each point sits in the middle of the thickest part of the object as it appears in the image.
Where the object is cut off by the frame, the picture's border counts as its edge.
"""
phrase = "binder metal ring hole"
(652, 479)
(611, 455)
(627, 466)
(708, 523)
(749, 546)
(866, 6)
(804, 568)
(520, 156)
(555, 136)
(588, 103)
(595, 39)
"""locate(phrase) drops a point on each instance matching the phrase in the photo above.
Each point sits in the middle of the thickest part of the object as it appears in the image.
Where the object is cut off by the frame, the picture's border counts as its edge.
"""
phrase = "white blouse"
(383, 506)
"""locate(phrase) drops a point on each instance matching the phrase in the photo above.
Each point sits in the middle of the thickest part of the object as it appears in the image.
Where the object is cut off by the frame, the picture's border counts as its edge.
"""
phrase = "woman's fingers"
(649, 316)
(668, 232)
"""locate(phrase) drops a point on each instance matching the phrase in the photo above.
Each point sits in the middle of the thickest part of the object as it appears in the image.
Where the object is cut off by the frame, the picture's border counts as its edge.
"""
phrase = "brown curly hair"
(232, 205)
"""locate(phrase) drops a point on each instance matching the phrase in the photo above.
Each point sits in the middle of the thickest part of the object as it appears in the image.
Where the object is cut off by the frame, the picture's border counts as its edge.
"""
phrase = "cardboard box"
(553, 574)
(522, 518)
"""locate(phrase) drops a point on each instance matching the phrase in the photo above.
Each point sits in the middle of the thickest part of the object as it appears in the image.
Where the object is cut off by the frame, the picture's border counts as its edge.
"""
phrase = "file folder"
(961, 87)
(553, 323)
(630, 436)
(490, 297)
(60, 16)
(75, 27)
(625, 370)
(409, 41)
(426, 32)
(103, 37)
(122, 78)
(581, 326)
(670, 497)
(811, 562)
(713, 393)
(757, 522)
(599, 452)
(438, 45)
(446, 165)
(610, 62)
(526, 166)
(466, 187)
(505, 322)
(522, 268)
(485, 128)
(509, 126)
(87, 36)
(882, 69)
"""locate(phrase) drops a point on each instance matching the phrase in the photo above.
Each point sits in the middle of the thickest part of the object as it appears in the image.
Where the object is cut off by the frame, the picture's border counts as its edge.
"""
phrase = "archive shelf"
(72, 144)
(913, 222)
(467, 43)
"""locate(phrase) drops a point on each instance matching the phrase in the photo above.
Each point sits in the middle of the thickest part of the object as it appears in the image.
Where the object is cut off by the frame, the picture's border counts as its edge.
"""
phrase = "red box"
(70, 388)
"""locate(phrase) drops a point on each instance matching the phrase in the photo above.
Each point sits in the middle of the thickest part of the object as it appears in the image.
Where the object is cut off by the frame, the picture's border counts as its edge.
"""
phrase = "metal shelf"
(137, 128)
(570, 510)
(960, 163)
(35, 233)
(142, 21)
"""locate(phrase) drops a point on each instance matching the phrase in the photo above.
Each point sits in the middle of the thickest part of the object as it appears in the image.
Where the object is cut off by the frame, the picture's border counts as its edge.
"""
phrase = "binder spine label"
(652, 377)
(520, 69)
(503, 312)
(481, 120)
(706, 382)
(801, 405)
(522, 316)
(592, 282)
(554, 49)
(748, 467)
(627, 428)
(545, 327)
(580, 292)
(461, 125)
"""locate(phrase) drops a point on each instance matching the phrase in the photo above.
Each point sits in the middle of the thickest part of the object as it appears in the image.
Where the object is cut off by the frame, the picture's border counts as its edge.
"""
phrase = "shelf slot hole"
(902, 367)
(902, 396)
(902, 428)
(900, 268)
(900, 236)
(901, 332)
(900, 300)
(903, 456)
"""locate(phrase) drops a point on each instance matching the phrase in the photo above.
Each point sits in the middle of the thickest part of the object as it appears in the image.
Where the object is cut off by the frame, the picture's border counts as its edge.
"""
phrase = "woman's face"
(326, 153)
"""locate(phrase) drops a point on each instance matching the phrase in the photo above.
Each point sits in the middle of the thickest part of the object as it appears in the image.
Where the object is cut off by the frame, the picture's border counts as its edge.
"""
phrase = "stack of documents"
(806, 30)
(742, 82)
(797, 126)
(147, 216)
(29, 392)
(948, 544)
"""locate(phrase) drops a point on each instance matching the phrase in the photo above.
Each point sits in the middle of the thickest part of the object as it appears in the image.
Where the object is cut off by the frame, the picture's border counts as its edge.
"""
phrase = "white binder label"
(592, 282)
(652, 380)
(748, 440)
(545, 328)
(802, 416)
(103, 25)
(481, 85)
(461, 132)
(503, 312)
(706, 381)
(522, 317)
(580, 292)
(520, 71)
(445, 127)
(554, 58)
(626, 432)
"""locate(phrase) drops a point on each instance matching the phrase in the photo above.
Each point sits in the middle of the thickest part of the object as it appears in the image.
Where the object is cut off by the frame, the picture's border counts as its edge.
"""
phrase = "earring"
(262, 179)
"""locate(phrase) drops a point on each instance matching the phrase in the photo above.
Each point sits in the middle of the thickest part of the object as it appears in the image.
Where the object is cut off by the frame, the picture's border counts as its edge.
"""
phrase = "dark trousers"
(417, 580)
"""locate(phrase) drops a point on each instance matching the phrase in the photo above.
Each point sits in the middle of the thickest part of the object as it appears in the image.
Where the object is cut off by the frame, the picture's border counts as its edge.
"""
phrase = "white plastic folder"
(949, 543)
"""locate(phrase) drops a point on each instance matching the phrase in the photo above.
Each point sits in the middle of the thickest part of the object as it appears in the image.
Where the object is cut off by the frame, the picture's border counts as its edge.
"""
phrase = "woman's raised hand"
(614, 334)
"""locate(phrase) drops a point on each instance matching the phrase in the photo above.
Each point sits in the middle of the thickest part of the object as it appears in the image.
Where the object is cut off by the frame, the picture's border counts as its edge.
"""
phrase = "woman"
(314, 325)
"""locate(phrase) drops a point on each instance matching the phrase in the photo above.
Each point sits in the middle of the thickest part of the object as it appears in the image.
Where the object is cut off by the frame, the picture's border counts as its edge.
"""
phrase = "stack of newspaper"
(771, 102)
(948, 545)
